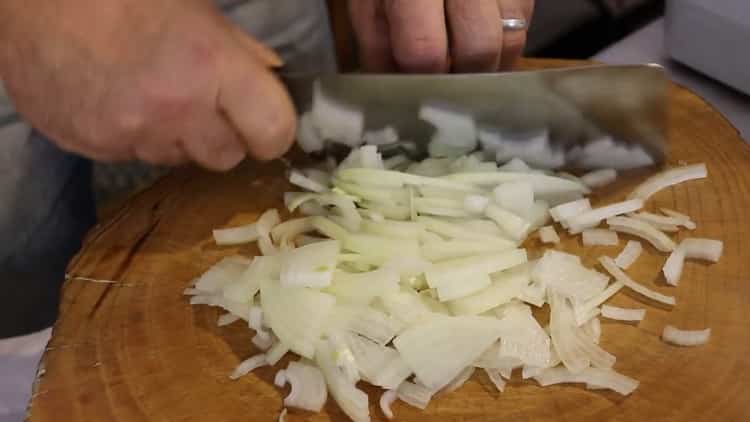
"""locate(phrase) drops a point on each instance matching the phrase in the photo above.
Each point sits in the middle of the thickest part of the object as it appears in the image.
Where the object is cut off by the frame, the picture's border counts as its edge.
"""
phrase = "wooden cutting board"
(136, 351)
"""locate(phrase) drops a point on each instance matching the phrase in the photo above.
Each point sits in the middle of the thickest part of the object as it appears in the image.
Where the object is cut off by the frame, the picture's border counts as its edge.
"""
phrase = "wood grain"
(136, 351)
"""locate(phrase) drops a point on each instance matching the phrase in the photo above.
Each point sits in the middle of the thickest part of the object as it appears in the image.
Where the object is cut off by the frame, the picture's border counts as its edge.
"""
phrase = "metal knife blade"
(576, 106)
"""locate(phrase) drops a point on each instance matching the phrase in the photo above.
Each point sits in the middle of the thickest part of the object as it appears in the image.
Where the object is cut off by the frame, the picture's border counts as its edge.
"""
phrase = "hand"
(429, 36)
(161, 81)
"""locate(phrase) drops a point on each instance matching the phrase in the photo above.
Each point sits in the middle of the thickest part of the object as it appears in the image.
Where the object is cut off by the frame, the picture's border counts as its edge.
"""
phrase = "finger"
(371, 31)
(212, 142)
(475, 34)
(257, 105)
(513, 40)
(166, 154)
(418, 35)
(266, 55)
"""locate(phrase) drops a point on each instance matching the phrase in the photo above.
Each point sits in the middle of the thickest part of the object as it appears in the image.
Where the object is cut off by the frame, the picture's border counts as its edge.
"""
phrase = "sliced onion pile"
(409, 276)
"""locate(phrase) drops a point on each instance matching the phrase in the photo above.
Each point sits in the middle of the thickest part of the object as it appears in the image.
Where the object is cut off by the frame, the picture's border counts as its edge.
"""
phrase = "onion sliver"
(609, 264)
(669, 178)
(685, 337)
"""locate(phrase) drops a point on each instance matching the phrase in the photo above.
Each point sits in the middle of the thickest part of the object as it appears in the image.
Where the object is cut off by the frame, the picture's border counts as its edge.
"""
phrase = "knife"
(606, 109)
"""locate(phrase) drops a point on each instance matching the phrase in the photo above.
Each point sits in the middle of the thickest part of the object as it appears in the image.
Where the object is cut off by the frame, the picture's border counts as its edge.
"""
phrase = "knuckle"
(422, 54)
(275, 138)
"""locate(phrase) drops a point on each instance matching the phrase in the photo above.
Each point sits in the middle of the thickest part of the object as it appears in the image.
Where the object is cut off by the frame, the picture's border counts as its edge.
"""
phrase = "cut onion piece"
(669, 178)
(308, 137)
(602, 237)
(263, 340)
(449, 249)
(562, 213)
(705, 249)
(455, 128)
(602, 378)
(585, 311)
(622, 314)
(459, 381)
(280, 379)
(301, 328)
(452, 230)
(439, 349)
(309, 266)
(685, 337)
(548, 235)
(362, 288)
(282, 415)
(629, 254)
(643, 230)
(335, 121)
(592, 218)
(476, 204)
(284, 233)
(381, 247)
(512, 225)
(352, 401)
(564, 274)
(367, 322)
(249, 365)
(514, 165)
(386, 401)
(414, 394)
(224, 272)
(609, 265)
(384, 136)
(379, 365)
(298, 179)
(667, 224)
(685, 220)
(506, 285)
(673, 267)
(543, 184)
(394, 179)
(496, 378)
(391, 228)
(522, 338)
(309, 390)
(599, 178)
(516, 197)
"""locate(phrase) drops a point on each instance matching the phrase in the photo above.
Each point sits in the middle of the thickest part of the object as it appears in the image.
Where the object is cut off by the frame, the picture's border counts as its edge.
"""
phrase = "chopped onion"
(276, 352)
(384, 136)
(669, 178)
(476, 204)
(622, 314)
(447, 249)
(643, 230)
(386, 401)
(705, 249)
(599, 178)
(602, 378)
(362, 288)
(548, 235)
(609, 265)
(562, 213)
(454, 128)
(414, 394)
(685, 337)
(454, 231)
(379, 365)
(249, 365)
(592, 237)
(512, 225)
(263, 340)
(514, 165)
(505, 286)
(585, 311)
(629, 254)
(310, 266)
(673, 267)
(516, 196)
(308, 137)
(685, 220)
(280, 379)
(308, 387)
(299, 179)
(542, 184)
(439, 349)
(282, 416)
(352, 401)
(592, 218)
(667, 224)
(224, 272)
(496, 378)
(564, 274)
(335, 121)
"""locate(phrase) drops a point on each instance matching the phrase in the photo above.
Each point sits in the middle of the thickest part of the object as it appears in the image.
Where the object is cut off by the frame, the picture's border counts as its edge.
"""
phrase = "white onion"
(685, 337)
(609, 264)
(562, 213)
(601, 378)
(309, 266)
(685, 220)
(622, 314)
(298, 179)
(629, 254)
(643, 230)
(384, 136)
(669, 178)
(592, 237)
(705, 249)
(282, 415)
(414, 394)
(249, 365)
(673, 267)
(667, 224)
(386, 401)
(496, 378)
(308, 387)
(599, 178)
(517, 196)
(592, 218)
(335, 121)
(548, 234)
(459, 381)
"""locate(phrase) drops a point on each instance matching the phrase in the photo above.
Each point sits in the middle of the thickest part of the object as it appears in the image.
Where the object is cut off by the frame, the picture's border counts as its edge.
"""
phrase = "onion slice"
(629, 254)
(609, 264)
(599, 178)
(705, 249)
(592, 218)
(602, 237)
(386, 400)
(673, 267)
(685, 337)
(643, 230)
(547, 234)
(668, 178)
(622, 314)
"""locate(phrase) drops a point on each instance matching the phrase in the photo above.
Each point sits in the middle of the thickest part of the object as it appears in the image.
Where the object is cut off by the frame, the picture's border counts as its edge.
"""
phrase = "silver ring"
(514, 24)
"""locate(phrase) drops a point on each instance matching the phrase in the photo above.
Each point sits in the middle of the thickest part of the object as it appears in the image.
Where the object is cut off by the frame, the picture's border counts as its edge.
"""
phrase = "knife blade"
(573, 107)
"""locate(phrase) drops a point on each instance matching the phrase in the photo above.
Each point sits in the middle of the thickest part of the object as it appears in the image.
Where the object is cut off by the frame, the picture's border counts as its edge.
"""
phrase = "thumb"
(257, 105)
